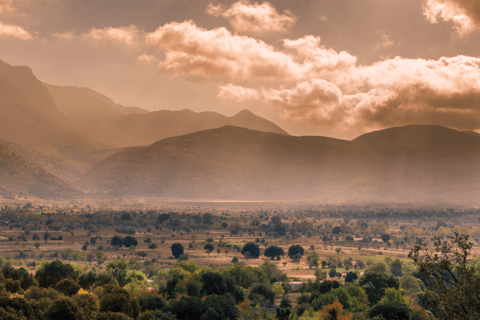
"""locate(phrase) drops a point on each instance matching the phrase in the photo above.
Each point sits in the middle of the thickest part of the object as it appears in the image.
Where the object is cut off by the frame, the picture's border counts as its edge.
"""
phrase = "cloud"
(12, 31)
(146, 58)
(217, 52)
(254, 18)
(6, 6)
(392, 92)
(239, 93)
(324, 87)
(196, 51)
(465, 14)
(64, 35)
(125, 35)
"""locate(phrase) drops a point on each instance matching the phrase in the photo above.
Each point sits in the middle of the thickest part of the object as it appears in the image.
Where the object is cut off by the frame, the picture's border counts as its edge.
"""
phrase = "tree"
(116, 299)
(390, 310)
(375, 283)
(396, 267)
(163, 217)
(334, 311)
(52, 272)
(67, 286)
(385, 238)
(251, 248)
(46, 236)
(273, 252)
(129, 241)
(177, 250)
(337, 230)
(64, 308)
(116, 241)
(152, 246)
(209, 247)
(333, 272)
(294, 250)
(450, 279)
(338, 250)
(263, 290)
(93, 240)
(126, 216)
(148, 240)
(313, 260)
(224, 225)
(351, 276)
(118, 271)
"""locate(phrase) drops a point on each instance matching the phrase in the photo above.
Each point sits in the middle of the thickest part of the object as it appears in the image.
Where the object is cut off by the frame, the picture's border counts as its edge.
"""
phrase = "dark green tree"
(374, 283)
(116, 241)
(117, 299)
(67, 286)
(177, 250)
(294, 250)
(251, 248)
(273, 252)
(53, 272)
(129, 241)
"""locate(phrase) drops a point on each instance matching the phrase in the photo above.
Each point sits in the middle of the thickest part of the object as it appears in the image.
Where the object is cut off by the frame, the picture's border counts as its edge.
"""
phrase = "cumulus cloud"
(392, 92)
(253, 18)
(196, 51)
(12, 31)
(125, 35)
(322, 86)
(465, 14)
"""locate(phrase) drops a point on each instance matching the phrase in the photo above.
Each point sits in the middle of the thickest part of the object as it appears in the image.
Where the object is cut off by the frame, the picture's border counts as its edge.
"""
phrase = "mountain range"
(67, 141)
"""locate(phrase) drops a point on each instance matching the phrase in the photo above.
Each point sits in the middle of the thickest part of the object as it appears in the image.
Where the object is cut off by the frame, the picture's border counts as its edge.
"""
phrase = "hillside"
(158, 125)
(236, 163)
(84, 104)
(19, 177)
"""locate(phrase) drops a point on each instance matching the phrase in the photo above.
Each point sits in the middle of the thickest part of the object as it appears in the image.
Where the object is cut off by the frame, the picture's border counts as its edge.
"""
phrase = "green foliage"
(118, 271)
(67, 286)
(295, 252)
(264, 291)
(390, 310)
(52, 272)
(375, 283)
(64, 308)
(451, 280)
(116, 299)
(273, 252)
(252, 248)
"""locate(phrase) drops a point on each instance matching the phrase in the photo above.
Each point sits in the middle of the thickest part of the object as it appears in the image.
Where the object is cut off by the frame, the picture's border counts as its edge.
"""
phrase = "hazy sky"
(323, 67)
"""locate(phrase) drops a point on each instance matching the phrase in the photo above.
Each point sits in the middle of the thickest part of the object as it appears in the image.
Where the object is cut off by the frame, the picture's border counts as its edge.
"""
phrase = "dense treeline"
(187, 291)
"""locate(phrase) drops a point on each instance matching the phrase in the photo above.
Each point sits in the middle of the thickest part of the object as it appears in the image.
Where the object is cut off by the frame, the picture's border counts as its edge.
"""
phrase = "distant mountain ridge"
(399, 164)
(161, 124)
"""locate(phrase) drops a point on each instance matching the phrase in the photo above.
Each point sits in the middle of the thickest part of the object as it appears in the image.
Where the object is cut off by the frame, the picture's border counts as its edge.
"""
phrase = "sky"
(336, 68)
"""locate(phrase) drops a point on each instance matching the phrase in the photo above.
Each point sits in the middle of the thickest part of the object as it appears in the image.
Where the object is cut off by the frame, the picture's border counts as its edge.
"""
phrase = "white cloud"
(465, 14)
(196, 51)
(254, 18)
(125, 35)
(12, 31)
